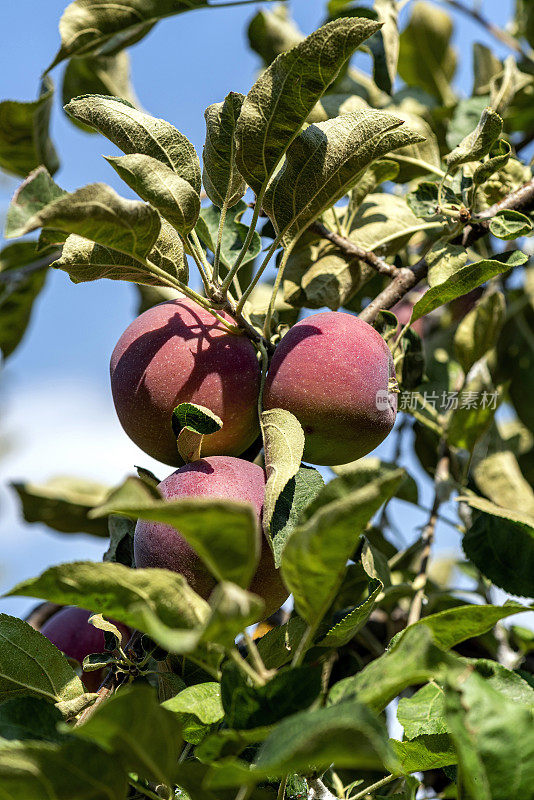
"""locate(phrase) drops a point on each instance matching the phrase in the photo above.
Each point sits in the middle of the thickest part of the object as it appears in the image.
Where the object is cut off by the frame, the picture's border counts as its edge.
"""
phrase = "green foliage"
(394, 195)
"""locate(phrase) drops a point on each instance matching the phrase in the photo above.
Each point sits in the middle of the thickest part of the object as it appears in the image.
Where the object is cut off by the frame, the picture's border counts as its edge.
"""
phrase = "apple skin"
(223, 477)
(71, 633)
(327, 371)
(177, 352)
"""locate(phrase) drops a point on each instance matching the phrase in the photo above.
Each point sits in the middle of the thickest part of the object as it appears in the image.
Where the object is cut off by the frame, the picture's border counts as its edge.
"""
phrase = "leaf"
(479, 330)
(102, 75)
(124, 594)
(135, 132)
(92, 26)
(278, 646)
(286, 693)
(197, 418)
(424, 753)
(455, 625)
(366, 470)
(498, 158)
(142, 735)
(278, 104)
(509, 225)
(24, 136)
(63, 504)
(84, 260)
(22, 276)
(423, 201)
(385, 44)
(324, 162)
(166, 191)
(234, 234)
(499, 477)
(503, 550)
(465, 118)
(29, 717)
(298, 492)
(486, 65)
(283, 441)
(466, 279)
(224, 533)
(222, 181)
(354, 619)
(32, 665)
(196, 708)
(98, 213)
(348, 735)
(426, 58)
(385, 223)
(273, 32)
(478, 143)
(492, 736)
(44, 771)
(412, 659)
(424, 712)
(315, 556)
(34, 194)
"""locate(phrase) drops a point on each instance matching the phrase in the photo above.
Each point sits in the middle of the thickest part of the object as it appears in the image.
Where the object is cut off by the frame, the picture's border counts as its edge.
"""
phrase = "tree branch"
(408, 278)
(497, 33)
(353, 251)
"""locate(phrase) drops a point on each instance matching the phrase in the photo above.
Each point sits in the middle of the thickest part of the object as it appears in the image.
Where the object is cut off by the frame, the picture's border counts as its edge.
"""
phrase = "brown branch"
(407, 278)
(353, 251)
(492, 29)
(441, 475)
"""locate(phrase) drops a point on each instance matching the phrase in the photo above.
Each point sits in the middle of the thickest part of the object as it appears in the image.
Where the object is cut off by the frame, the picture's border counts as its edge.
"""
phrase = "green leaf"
(425, 752)
(366, 470)
(278, 646)
(354, 619)
(34, 194)
(498, 157)
(509, 225)
(196, 418)
(231, 610)
(84, 260)
(222, 181)
(478, 143)
(29, 717)
(63, 504)
(424, 712)
(166, 191)
(298, 493)
(324, 162)
(412, 659)
(224, 533)
(479, 330)
(127, 595)
(464, 119)
(466, 279)
(273, 32)
(24, 138)
(493, 740)
(135, 132)
(455, 625)
(315, 557)
(95, 27)
(286, 693)
(228, 742)
(22, 276)
(196, 708)
(283, 441)
(503, 550)
(426, 58)
(234, 234)
(98, 213)
(102, 75)
(283, 96)
(423, 201)
(142, 735)
(385, 44)
(499, 477)
(348, 735)
(32, 665)
(43, 771)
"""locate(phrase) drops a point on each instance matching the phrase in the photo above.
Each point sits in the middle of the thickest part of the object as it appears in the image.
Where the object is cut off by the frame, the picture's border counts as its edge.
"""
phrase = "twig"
(408, 278)
(442, 470)
(353, 251)
(370, 789)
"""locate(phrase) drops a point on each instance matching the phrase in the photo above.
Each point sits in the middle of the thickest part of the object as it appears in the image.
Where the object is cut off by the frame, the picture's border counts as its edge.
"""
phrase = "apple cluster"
(333, 371)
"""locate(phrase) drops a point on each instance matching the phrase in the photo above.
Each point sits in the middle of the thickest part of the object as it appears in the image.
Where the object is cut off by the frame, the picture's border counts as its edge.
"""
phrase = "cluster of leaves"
(300, 709)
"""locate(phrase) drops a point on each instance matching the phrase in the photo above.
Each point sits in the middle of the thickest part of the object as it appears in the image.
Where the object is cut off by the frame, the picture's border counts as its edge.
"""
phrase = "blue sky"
(55, 402)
